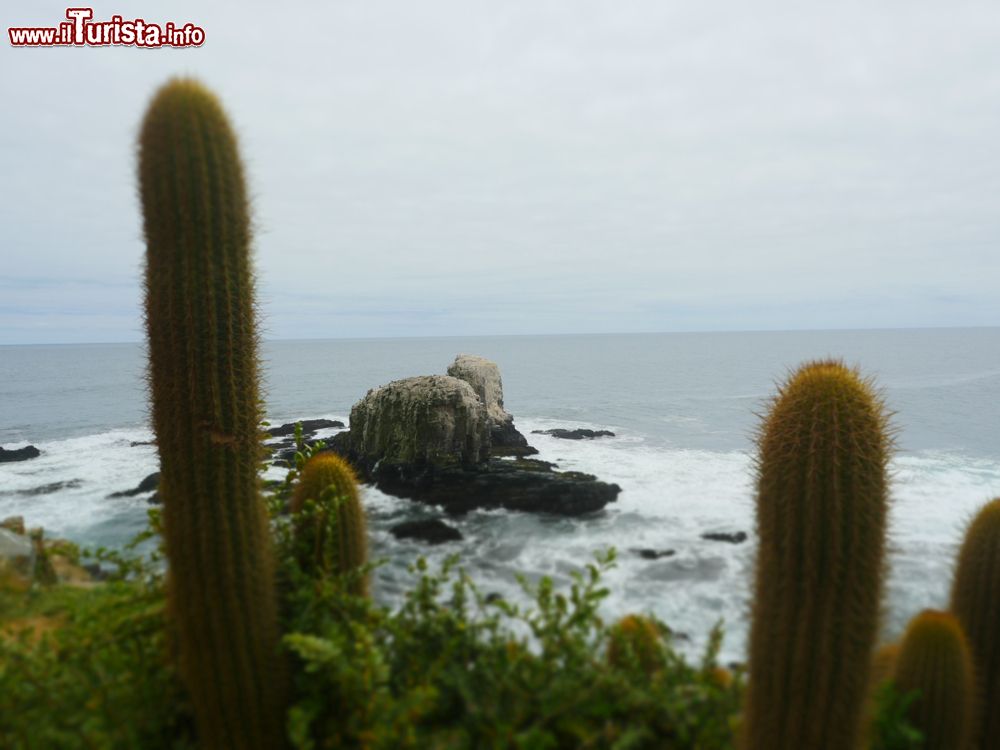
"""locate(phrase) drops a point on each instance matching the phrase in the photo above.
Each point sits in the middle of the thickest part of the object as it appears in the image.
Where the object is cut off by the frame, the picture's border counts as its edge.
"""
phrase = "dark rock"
(493, 597)
(19, 454)
(154, 499)
(430, 530)
(652, 554)
(308, 426)
(46, 489)
(721, 536)
(137, 443)
(148, 484)
(522, 485)
(515, 451)
(578, 434)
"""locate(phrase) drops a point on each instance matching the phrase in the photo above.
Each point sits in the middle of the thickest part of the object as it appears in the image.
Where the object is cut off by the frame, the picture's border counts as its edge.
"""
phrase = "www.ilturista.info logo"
(81, 31)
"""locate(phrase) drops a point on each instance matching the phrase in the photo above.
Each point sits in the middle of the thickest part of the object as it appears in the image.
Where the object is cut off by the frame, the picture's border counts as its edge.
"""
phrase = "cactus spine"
(333, 537)
(975, 600)
(934, 660)
(204, 384)
(821, 519)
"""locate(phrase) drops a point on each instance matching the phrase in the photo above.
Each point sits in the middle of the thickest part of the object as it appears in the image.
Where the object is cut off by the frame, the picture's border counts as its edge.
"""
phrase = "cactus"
(332, 538)
(934, 661)
(821, 507)
(883, 664)
(975, 600)
(636, 638)
(203, 376)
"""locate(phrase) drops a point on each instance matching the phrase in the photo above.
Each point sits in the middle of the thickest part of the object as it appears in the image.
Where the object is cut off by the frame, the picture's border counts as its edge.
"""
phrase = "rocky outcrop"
(19, 454)
(431, 530)
(430, 438)
(309, 426)
(522, 485)
(149, 484)
(484, 377)
(426, 421)
(736, 537)
(578, 434)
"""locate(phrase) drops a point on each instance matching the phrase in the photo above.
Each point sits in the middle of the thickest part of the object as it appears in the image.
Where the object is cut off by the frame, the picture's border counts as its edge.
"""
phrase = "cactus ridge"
(883, 663)
(822, 505)
(934, 660)
(203, 378)
(975, 600)
(332, 534)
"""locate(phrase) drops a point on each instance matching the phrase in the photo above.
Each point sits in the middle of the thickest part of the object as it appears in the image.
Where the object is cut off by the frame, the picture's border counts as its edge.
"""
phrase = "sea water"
(684, 409)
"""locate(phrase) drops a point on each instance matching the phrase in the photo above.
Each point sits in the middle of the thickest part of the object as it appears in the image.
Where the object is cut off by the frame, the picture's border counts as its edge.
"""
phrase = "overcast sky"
(519, 166)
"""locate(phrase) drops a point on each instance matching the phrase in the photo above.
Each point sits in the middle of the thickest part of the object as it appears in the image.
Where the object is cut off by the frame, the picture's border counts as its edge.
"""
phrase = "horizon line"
(550, 335)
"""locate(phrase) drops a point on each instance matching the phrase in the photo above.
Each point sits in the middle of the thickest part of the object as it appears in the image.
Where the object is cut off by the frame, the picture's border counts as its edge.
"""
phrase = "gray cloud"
(471, 167)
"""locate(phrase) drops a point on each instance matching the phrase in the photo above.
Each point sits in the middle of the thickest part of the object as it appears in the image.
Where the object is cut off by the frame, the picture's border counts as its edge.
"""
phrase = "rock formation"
(484, 377)
(430, 438)
(430, 420)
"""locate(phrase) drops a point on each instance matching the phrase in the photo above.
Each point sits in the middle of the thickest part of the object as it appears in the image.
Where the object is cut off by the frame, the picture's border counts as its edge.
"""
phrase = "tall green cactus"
(821, 519)
(333, 539)
(975, 600)
(934, 661)
(203, 377)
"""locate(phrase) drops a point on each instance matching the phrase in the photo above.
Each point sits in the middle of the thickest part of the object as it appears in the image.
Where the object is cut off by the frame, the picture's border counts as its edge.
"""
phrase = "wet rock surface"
(432, 531)
(19, 454)
(647, 553)
(149, 484)
(578, 434)
(735, 537)
(309, 426)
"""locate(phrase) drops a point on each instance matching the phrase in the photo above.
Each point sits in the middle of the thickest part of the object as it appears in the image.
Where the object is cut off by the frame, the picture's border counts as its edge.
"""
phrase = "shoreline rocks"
(736, 537)
(19, 454)
(578, 434)
(431, 530)
(149, 484)
(309, 426)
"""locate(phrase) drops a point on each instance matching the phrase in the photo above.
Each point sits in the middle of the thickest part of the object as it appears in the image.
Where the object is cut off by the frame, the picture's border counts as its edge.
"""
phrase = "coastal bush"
(822, 505)
(87, 666)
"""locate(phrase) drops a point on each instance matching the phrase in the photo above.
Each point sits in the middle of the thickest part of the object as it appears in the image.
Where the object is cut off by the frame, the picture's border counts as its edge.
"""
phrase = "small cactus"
(822, 504)
(975, 600)
(332, 537)
(636, 639)
(934, 661)
(883, 663)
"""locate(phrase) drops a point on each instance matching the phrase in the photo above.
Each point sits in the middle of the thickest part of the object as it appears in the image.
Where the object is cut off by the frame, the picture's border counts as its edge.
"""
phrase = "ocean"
(684, 409)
